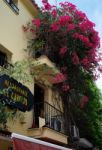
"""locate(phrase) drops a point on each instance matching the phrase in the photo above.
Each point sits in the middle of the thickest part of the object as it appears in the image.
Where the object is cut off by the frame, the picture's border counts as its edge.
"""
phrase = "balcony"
(45, 70)
(48, 124)
(53, 117)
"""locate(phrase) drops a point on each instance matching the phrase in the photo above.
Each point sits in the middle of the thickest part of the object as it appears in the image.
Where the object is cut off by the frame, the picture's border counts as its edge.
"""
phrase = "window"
(3, 59)
(13, 5)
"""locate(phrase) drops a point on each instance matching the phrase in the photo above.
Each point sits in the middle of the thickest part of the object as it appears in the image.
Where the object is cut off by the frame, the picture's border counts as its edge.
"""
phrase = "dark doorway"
(3, 59)
(38, 103)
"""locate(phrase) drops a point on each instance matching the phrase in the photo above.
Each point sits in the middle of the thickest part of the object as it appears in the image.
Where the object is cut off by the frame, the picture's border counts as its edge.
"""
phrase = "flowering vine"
(69, 39)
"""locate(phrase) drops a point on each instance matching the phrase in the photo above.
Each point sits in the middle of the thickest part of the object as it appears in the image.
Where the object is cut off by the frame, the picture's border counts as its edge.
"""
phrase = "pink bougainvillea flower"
(92, 55)
(70, 27)
(71, 6)
(85, 61)
(86, 26)
(83, 38)
(36, 22)
(67, 6)
(44, 1)
(54, 26)
(63, 50)
(80, 15)
(83, 101)
(94, 38)
(54, 13)
(65, 88)
(64, 20)
(72, 40)
(75, 58)
(59, 78)
(63, 69)
(47, 6)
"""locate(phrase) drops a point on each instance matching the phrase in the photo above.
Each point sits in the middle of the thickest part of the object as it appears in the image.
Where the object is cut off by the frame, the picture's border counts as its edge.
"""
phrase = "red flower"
(75, 58)
(36, 22)
(65, 88)
(86, 25)
(47, 6)
(44, 1)
(63, 69)
(68, 6)
(54, 26)
(63, 50)
(59, 78)
(76, 41)
(71, 27)
(92, 56)
(94, 38)
(85, 61)
(64, 20)
(54, 13)
(80, 15)
(83, 101)
(71, 6)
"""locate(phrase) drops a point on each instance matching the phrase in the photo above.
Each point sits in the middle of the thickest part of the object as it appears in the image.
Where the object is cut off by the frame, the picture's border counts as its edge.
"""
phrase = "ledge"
(49, 134)
(5, 138)
(44, 69)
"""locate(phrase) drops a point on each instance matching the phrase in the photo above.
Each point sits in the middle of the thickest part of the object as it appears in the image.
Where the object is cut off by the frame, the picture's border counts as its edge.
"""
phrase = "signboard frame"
(15, 94)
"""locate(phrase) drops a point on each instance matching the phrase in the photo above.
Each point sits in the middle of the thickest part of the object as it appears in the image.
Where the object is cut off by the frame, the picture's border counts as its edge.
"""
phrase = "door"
(38, 103)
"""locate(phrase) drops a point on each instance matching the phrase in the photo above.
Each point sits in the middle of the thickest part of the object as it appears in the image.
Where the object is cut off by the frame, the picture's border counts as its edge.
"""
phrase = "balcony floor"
(48, 134)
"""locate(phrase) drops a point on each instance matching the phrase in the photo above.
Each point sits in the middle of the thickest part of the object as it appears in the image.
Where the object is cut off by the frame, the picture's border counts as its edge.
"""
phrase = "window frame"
(12, 5)
(3, 59)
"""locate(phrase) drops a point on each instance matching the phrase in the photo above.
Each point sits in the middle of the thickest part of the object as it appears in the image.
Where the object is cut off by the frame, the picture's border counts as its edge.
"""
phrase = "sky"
(93, 10)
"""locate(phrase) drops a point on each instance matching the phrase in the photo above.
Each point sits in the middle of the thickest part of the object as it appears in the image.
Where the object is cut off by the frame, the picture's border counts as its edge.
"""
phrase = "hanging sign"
(15, 94)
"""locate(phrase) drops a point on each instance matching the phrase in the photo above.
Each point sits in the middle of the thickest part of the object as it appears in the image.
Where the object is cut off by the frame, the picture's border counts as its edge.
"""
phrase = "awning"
(21, 142)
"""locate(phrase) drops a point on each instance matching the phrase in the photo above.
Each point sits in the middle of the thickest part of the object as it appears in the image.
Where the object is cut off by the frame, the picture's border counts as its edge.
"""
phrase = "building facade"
(44, 120)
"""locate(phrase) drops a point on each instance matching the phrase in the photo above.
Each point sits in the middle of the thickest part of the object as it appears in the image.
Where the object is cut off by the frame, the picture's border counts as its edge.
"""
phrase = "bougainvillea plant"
(70, 40)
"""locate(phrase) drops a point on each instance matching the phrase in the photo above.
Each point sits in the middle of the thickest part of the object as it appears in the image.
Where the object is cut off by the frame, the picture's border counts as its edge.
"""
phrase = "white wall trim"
(14, 135)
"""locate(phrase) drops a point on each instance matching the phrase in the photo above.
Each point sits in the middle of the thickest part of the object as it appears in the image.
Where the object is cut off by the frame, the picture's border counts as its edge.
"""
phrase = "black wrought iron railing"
(4, 63)
(53, 117)
(12, 5)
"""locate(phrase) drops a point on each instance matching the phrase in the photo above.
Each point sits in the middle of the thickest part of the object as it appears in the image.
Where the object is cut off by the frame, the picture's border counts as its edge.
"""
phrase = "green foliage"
(94, 114)
(91, 115)
(19, 71)
(3, 114)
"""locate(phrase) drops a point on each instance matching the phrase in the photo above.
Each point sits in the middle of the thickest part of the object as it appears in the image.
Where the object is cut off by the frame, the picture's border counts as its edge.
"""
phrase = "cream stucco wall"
(12, 41)
(12, 36)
